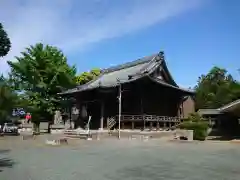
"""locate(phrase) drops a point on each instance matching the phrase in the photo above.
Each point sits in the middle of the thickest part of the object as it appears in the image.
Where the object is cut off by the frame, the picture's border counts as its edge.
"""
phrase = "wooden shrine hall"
(140, 94)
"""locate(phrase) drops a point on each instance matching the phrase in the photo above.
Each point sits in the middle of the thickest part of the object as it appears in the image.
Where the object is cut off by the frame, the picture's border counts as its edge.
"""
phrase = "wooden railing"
(148, 118)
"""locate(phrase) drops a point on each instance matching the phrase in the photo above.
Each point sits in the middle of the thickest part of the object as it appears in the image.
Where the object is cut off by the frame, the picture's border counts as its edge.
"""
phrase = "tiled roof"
(124, 73)
(226, 108)
(209, 111)
(112, 76)
(232, 105)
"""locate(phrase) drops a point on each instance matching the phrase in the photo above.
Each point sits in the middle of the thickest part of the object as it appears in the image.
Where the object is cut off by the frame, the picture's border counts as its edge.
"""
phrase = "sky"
(195, 35)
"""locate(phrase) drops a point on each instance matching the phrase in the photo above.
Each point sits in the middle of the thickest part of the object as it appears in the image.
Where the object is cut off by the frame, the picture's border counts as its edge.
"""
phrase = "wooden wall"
(140, 97)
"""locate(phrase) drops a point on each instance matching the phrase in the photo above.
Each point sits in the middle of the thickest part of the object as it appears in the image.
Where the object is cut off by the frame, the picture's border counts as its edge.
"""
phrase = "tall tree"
(41, 73)
(85, 77)
(8, 100)
(216, 89)
(5, 43)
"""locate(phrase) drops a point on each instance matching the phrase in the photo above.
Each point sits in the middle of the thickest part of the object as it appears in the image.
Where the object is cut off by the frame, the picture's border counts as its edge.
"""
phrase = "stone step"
(60, 141)
(141, 137)
(28, 136)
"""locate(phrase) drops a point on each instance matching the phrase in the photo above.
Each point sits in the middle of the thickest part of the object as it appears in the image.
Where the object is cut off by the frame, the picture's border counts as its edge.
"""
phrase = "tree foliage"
(8, 100)
(40, 74)
(87, 76)
(216, 89)
(195, 117)
(198, 124)
(5, 43)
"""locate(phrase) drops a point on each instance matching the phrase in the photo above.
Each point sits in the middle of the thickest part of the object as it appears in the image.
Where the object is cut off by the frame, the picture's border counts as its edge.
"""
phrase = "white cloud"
(73, 25)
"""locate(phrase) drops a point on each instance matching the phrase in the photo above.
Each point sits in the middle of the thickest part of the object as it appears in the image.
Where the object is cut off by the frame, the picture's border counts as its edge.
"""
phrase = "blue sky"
(194, 34)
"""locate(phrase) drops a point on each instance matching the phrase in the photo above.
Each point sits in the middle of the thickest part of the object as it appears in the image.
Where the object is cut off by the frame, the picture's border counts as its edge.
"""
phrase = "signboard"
(18, 112)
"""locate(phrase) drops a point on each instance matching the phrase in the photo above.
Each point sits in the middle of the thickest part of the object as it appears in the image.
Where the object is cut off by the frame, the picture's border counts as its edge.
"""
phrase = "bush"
(196, 123)
(199, 129)
(195, 117)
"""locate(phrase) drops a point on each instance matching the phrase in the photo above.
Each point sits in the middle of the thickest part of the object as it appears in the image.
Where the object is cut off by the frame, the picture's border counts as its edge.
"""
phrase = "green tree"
(8, 100)
(5, 43)
(87, 76)
(216, 89)
(41, 73)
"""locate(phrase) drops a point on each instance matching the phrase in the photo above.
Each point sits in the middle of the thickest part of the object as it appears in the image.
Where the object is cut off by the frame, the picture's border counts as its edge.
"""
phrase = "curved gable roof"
(231, 107)
(128, 72)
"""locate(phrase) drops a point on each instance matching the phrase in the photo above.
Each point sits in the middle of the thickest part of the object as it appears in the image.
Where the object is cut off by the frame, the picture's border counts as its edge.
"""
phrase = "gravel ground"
(118, 160)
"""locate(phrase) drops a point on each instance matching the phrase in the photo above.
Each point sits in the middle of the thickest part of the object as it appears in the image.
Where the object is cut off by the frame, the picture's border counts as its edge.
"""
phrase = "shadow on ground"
(5, 162)
(224, 135)
(224, 138)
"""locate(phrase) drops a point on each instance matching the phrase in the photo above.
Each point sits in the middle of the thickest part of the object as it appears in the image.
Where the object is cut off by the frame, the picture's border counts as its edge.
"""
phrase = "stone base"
(28, 136)
(140, 137)
(57, 141)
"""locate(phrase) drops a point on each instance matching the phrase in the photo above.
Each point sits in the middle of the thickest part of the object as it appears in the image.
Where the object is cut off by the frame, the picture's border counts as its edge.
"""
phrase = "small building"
(139, 94)
(225, 119)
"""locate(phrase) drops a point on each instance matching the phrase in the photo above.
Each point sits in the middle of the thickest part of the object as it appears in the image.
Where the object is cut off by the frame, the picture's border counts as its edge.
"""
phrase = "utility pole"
(238, 78)
(119, 108)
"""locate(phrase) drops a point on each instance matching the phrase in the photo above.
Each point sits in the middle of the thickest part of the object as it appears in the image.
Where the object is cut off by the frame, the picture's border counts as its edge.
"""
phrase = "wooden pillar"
(132, 124)
(164, 125)
(210, 121)
(119, 108)
(170, 124)
(122, 125)
(142, 111)
(151, 125)
(70, 117)
(102, 116)
(144, 122)
(158, 127)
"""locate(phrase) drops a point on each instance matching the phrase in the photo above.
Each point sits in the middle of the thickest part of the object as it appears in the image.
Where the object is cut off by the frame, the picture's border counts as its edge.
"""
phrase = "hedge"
(199, 129)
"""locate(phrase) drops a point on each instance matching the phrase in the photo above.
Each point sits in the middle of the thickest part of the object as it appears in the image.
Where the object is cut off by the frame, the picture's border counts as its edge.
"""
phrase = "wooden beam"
(102, 115)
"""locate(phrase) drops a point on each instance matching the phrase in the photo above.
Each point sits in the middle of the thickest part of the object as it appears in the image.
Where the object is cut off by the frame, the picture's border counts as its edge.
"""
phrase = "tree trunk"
(36, 128)
(50, 122)
(49, 128)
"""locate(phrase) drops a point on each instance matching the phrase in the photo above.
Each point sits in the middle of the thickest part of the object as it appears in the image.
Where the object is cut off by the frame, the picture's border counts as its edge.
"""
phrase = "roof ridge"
(146, 59)
(142, 60)
(226, 106)
(130, 71)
